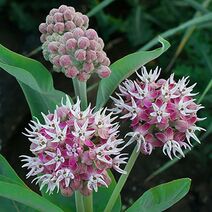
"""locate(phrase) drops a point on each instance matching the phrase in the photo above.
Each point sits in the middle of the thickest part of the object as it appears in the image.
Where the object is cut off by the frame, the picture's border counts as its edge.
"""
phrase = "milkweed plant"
(75, 146)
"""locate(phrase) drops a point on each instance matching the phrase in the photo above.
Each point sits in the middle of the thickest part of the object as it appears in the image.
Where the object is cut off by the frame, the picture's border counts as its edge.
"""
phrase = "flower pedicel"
(163, 113)
(74, 149)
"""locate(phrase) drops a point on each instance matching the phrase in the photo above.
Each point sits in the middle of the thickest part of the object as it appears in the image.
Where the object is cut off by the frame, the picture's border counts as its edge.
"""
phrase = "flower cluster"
(73, 149)
(71, 47)
(162, 112)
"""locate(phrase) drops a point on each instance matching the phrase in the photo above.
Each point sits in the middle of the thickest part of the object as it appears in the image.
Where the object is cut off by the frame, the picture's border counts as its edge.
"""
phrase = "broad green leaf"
(34, 79)
(11, 205)
(27, 197)
(7, 172)
(123, 68)
(66, 203)
(162, 197)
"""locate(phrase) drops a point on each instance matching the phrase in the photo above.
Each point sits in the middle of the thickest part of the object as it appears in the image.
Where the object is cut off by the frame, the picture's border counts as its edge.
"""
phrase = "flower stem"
(81, 92)
(122, 180)
(79, 202)
(88, 203)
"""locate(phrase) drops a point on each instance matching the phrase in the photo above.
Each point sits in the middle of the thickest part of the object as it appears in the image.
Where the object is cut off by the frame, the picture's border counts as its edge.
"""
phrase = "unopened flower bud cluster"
(74, 149)
(71, 47)
(162, 113)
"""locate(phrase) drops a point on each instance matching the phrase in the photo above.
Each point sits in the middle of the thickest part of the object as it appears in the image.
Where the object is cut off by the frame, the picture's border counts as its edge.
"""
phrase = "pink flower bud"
(94, 45)
(57, 68)
(50, 28)
(69, 25)
(53, 46)
(42, 38)
(106, 61)
(59, 27)
(63, 8)
(53, 11)
(83, 43)
(71, 72)
(88, 67)
(91, 56)
(104, 71)
(58, 17)
(67, 35)
(100, 56)
(72, 9)
(68, 15)
(78, 20)
(56, 61)
(91, 34)
(62, 49)
(75, 184)
(43, 28)
(86, 20)
(49, 19)
(67, 192)
(85, 191)
(80, 54)
(83, 76)
(78, 32)
(101, 42)
(65, 60)
(71, 44)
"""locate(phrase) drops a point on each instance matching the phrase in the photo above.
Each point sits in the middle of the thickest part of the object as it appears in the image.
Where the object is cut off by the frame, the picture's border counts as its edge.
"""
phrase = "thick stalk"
(81, 92)
(79, 202)
(122, 180)
(88, 203)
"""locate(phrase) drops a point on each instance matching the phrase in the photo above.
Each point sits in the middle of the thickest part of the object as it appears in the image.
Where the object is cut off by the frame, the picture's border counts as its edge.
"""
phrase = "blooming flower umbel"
(162, 112)
(71, 47)
(73, 149)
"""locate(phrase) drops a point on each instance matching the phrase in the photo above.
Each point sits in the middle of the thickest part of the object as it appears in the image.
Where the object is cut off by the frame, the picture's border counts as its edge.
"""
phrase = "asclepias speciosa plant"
(75, 145)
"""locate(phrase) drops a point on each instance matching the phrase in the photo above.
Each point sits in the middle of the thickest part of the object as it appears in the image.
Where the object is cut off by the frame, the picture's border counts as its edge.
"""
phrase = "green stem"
(88, 203)
(79, 202)
(122, 180)
(81, 92)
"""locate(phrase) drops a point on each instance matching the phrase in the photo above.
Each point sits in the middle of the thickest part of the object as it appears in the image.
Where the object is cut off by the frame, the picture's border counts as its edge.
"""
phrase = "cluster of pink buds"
(73, 149)
(71, 47)
(162, 112)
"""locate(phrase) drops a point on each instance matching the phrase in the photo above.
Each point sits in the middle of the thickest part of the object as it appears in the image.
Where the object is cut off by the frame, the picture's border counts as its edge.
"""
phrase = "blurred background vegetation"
(126, 26)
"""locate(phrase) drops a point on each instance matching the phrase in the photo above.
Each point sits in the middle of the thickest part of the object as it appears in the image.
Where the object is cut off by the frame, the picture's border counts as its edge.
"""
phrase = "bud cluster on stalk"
(162, 113)
(74, 149)
(71, 46)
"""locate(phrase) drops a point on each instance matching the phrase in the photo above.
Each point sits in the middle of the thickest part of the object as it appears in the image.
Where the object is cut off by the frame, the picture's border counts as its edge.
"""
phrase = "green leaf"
(11, 205)
(66, 203)
(7, 173)
(123, 68)
(34, 79)
(26, 197)
(162, 197)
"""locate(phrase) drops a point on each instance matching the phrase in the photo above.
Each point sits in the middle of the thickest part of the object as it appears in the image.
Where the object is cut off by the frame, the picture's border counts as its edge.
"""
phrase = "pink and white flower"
(73, 149)
(166, 109)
